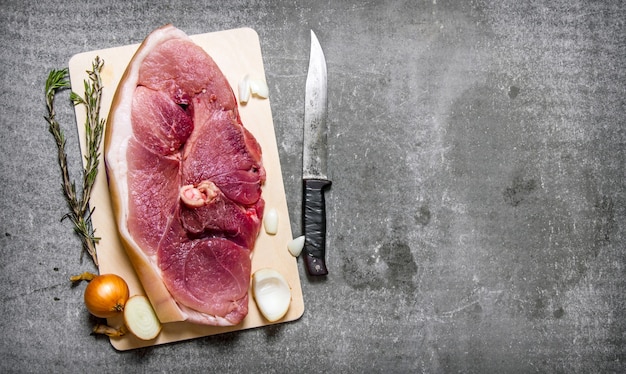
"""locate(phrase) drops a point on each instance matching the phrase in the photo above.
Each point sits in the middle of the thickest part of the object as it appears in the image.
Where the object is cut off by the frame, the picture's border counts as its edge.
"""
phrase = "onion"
(272, 293)
(106, 295)
(140, 318)
(295, 246)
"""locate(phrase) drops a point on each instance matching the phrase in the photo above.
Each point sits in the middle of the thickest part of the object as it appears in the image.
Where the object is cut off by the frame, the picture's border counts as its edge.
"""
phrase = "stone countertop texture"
(477, 217)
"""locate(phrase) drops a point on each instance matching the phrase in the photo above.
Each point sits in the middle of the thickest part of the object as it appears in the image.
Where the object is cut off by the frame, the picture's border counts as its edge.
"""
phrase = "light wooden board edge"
(237, 52)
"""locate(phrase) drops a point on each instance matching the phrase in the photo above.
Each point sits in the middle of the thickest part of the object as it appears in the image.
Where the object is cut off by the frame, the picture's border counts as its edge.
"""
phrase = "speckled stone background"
(477, 214)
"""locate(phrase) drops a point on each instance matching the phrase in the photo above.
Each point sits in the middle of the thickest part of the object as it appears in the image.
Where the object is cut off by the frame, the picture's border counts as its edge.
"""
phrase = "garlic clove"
(295, 246)
(270, 221)
(259, 88)
(271, 293)
(244, 89)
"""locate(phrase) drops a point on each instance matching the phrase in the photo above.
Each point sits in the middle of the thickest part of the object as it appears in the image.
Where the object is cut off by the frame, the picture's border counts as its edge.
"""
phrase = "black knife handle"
(314, 222)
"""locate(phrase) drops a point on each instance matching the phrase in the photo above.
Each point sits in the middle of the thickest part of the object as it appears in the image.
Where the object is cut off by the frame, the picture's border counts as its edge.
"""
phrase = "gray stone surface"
(477, 214)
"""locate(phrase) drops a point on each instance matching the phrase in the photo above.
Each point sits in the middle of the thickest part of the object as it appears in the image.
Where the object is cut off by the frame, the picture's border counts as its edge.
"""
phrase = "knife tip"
(315, 43)
(313, 36)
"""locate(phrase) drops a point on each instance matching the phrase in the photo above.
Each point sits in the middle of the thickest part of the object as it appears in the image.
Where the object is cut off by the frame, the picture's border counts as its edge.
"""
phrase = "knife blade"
(314, 162)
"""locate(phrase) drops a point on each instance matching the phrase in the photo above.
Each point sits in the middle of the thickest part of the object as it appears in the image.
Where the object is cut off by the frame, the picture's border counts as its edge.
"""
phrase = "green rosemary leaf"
(79, 214)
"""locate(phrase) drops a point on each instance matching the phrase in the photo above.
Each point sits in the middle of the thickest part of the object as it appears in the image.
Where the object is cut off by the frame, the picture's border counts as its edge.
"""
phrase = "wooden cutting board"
(237, 52)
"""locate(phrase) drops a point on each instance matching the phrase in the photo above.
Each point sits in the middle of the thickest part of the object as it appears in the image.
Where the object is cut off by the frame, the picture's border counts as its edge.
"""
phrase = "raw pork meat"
(185, 178)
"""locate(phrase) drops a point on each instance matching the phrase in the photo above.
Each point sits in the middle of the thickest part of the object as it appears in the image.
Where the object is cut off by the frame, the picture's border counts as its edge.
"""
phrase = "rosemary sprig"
(79, 214)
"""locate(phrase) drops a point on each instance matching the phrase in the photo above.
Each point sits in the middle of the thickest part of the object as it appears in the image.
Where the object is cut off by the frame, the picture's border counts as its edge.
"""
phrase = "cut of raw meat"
(185, 178)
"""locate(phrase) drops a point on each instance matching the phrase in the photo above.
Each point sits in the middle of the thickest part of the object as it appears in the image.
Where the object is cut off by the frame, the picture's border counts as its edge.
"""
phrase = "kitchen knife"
(314, 162)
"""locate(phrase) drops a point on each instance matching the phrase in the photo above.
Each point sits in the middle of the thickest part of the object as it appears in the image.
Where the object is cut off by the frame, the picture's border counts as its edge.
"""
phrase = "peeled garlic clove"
(244, 90)
(295, 246)
(259, 88)
(270, 221)
(272, 293)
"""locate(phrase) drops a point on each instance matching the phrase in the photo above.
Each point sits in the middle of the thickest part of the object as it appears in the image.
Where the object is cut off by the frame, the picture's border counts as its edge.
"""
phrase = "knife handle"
(314, 222)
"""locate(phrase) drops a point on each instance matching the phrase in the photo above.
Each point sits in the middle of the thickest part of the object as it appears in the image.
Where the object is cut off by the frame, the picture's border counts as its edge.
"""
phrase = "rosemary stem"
(79, 214)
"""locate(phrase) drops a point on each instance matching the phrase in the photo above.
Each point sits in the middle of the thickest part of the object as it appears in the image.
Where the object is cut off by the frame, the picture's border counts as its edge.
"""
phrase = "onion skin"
(106, 295)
